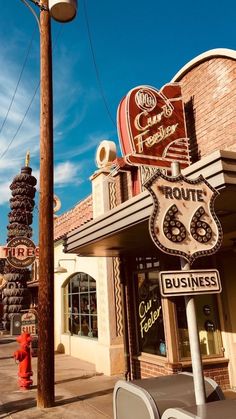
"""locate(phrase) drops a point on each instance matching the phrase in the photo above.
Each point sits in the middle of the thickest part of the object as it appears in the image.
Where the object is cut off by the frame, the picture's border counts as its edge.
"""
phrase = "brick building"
(111, 258)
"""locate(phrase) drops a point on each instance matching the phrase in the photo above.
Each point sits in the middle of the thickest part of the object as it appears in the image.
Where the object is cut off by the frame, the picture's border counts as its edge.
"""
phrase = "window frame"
(170, 319)
(205, 357)
(74, 315)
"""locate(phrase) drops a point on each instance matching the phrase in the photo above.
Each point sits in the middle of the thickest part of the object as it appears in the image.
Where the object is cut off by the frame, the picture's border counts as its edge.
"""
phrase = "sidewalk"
(79, 391)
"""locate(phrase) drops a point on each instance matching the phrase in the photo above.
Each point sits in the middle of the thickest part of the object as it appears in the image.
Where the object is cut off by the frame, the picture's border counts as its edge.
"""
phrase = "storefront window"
(80, 306)
(208, 326)
(150, 315)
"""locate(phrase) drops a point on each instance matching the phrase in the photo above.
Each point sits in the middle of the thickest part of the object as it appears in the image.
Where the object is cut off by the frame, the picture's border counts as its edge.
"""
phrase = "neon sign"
(151, 126)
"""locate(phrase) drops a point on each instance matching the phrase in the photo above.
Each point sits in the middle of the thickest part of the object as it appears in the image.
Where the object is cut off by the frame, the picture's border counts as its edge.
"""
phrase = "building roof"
(125, 228)
(74, 218)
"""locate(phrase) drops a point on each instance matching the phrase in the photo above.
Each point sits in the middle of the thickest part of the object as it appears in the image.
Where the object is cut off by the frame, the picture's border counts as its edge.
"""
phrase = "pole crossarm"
(40, 5)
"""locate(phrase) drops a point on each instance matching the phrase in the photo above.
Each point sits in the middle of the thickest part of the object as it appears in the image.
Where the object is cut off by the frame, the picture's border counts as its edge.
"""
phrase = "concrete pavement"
(80, 392)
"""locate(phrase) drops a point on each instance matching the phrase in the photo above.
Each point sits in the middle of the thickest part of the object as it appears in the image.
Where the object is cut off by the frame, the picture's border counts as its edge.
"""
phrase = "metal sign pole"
(199, 387)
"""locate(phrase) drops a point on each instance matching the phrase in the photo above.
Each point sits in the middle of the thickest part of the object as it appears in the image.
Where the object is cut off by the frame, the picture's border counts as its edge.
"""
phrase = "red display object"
(23, 356)
(151, 126)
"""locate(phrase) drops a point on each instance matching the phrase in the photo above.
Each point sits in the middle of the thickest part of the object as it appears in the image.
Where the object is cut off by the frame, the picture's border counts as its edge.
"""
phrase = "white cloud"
(18, 142)
(12, 155)
(69, 95)
(66, 173)
(4, 193)
(92, 142)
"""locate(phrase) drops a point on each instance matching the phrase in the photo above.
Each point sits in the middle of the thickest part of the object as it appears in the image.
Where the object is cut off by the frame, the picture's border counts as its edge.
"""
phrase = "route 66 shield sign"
(183, 221)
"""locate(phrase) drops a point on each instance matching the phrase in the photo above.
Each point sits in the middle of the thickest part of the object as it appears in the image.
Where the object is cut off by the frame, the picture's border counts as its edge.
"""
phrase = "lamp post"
(62, 11)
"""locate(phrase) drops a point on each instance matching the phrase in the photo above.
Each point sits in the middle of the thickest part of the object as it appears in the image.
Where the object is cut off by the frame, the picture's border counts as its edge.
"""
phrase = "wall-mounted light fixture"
(60, 269)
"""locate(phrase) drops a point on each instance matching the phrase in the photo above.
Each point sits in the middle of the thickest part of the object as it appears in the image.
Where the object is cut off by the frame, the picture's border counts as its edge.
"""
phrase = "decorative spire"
(27, 159)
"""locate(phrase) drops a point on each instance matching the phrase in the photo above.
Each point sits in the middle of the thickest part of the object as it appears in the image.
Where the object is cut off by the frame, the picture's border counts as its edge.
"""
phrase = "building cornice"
(205, 56)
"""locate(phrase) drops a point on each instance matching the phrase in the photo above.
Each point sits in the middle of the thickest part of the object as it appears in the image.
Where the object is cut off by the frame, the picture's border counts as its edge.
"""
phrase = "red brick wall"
(210, 88)
(218, 372)
(147, 369)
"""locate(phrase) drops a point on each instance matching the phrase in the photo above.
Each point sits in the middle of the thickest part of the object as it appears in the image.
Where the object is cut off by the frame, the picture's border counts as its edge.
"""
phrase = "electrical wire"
(95, 65)
(18, 82)
(21, 123)
(32, 11)
(35, 92)
(28, 108)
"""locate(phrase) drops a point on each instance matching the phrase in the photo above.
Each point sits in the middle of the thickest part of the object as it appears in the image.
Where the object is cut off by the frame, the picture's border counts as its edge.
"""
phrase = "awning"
(124, 229)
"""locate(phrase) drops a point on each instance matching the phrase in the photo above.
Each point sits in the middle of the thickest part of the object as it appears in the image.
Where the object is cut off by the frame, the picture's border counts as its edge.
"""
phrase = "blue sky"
(134, 43)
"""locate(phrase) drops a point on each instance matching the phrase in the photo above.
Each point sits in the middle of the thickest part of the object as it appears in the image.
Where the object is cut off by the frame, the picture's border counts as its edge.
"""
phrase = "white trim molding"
(213, 53)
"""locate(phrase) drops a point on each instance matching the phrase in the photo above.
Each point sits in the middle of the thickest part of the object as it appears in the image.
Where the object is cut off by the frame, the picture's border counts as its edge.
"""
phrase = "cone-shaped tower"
(16, 296)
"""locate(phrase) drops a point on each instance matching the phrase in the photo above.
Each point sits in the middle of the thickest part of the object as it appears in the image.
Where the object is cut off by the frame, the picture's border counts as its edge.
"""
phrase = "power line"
(28, 108)
(21, 123)
(95, 64)
(18, 82)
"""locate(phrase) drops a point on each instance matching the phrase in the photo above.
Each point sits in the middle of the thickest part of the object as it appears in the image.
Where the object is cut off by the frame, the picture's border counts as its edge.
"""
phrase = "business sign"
(20, 252)
(29, 323)
(183, 221)
(191, 282)
(151, 126)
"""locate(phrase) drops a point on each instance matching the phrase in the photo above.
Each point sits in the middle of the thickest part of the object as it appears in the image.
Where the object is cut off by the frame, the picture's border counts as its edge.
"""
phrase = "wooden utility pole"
(46, 257)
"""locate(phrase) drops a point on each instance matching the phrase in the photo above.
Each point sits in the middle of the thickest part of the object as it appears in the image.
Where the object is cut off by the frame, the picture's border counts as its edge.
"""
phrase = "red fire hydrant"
(23, 356)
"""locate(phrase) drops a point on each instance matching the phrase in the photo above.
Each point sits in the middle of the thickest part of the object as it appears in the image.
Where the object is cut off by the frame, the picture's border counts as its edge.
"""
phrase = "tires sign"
(183, 221)
(20, 252)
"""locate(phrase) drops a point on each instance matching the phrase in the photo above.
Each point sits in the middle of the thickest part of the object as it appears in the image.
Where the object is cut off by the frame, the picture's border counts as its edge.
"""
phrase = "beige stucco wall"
(105, 353)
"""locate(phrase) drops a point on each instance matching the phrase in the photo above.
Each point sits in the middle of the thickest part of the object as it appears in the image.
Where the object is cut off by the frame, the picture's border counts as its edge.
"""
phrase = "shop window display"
(208, 326)
(80, 306)
(149, 314)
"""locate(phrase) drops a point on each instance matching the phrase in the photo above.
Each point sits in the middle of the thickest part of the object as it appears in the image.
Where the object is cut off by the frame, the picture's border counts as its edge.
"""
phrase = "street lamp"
(63, 11)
